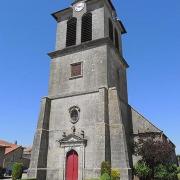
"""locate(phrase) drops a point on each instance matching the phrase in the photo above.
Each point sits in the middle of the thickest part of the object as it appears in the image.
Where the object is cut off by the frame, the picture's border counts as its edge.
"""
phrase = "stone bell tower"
(84, 119)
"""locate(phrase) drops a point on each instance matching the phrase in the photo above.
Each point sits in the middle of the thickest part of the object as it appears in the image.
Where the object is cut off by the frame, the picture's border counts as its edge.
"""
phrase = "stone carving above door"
(72, 140)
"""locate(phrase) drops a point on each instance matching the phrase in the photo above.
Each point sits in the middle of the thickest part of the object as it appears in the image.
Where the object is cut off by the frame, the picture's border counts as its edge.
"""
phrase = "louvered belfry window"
(71, 32)
(116, 39)
(111, 33)
(86, 28)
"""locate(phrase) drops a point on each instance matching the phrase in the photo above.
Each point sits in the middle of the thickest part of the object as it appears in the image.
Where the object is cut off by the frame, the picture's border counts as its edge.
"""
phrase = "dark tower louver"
(71, 32)
(111, 34)
(116, 39)
(86, 28)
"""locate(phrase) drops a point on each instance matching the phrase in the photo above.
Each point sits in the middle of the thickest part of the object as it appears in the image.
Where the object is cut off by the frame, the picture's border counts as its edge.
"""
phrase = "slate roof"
(141, 124)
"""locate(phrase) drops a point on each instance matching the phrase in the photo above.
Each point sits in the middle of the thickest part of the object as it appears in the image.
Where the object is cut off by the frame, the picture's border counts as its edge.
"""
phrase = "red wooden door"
(72, 166)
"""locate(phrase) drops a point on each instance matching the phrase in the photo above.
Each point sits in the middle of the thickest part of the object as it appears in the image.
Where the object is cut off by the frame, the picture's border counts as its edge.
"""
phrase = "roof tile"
(9, 146)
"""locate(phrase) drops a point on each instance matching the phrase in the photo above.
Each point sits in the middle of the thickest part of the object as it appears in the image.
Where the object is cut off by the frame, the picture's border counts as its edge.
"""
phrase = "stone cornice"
(58, 15)
(65, 95)
(85, 46)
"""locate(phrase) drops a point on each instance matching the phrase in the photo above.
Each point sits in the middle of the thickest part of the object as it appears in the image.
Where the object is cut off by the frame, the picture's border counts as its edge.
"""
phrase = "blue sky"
(151, 47)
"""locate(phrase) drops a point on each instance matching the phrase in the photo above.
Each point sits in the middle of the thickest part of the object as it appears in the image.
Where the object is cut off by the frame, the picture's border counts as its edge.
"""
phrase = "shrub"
(115, 174)
(178, 169)
(168, 171)
(17, 171)
(172, 171)
(1, 172)
(160, 172)
(105, 176)
(105, 168)
(179, 176)
(142, 170)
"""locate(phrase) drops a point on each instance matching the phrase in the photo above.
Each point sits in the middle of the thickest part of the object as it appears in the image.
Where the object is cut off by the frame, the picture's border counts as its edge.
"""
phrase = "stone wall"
(90, 121)
(2, 151)
(94, 71)
(12, 157)
(97, 11)
(100, 93)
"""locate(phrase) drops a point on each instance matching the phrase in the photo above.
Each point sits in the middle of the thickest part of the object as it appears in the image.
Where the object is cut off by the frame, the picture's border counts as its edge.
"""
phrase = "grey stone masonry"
(38, 163)
(86, 113)
(119, 149)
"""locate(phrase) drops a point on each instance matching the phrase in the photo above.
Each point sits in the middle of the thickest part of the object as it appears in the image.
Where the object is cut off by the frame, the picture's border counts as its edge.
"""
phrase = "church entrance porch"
(72, 165)
(74, 156)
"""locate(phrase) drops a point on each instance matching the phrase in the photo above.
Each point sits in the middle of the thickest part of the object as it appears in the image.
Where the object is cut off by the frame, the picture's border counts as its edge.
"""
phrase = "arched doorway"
(72, 165)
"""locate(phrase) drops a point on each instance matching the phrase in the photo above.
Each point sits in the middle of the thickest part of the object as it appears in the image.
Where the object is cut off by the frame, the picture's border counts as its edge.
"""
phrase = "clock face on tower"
(79, 7)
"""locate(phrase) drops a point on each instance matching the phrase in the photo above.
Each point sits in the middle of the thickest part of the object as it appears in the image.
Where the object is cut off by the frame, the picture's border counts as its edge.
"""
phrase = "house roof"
(2, 146)
(141, 124)
(9, 147)
(27, 150)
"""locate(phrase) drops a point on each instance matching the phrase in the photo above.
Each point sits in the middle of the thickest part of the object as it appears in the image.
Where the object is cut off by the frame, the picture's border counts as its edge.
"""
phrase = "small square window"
(76, 70)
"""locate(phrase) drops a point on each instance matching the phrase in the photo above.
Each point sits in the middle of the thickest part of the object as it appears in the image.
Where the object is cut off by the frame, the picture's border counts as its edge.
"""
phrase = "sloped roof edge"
(159, 130)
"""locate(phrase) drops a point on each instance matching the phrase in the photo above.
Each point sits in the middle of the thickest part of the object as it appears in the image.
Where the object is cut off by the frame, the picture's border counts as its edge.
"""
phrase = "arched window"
(86, 28)
(116, 39)
(71, 32)
(111, 33)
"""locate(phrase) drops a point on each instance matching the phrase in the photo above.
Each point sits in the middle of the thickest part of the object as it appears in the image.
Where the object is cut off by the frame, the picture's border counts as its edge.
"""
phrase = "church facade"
(86, 118)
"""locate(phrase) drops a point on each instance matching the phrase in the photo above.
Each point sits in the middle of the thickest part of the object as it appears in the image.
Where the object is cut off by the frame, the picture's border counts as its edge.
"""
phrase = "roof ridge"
(7, 143)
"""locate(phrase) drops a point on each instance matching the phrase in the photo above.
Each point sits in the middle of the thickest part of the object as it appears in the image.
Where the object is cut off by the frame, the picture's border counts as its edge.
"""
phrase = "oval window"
(74, 114)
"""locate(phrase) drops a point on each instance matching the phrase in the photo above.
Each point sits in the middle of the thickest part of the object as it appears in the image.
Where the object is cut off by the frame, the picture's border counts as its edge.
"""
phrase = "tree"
(154, 151)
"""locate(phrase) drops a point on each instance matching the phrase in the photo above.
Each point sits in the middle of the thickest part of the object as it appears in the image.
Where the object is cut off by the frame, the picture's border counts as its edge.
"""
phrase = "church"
(86, 119)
